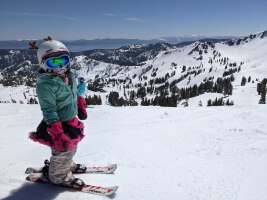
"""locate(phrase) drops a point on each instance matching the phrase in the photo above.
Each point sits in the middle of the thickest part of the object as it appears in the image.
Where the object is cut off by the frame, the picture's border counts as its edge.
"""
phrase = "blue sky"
(139, 19)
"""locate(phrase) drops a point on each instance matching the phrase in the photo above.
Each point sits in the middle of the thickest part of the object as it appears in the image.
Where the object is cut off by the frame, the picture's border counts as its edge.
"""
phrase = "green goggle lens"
(55, 62)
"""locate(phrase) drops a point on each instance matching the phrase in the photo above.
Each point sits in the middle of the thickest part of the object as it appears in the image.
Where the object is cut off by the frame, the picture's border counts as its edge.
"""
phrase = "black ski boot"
(45, 171)
(77, 183)
(74, 183)
(78, 168)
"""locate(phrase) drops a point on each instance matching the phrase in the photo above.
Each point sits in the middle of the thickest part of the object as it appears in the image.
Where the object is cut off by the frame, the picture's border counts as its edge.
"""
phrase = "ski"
(92, 189)
(90, 170)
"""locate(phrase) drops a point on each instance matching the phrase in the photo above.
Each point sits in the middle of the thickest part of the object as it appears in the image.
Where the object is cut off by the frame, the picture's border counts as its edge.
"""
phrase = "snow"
(242, 96)
(211, 153)
(185, 153)
(21, 94)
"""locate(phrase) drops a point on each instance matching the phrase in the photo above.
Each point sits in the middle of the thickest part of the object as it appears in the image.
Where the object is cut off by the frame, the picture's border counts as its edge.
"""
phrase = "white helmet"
(50, 47)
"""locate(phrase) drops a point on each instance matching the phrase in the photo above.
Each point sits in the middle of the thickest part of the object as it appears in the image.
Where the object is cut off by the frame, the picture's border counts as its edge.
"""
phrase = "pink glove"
(61, 141)
(82, 113)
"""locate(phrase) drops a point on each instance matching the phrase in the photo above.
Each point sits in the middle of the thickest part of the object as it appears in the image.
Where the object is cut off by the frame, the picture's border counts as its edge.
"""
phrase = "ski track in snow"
(193, 153)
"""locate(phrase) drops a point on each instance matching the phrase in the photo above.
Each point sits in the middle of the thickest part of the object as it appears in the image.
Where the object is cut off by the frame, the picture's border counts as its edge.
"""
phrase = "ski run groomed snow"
(192, 153)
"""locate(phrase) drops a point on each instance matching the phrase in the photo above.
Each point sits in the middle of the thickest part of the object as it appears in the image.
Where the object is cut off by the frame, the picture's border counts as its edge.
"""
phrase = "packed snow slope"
(205, 153)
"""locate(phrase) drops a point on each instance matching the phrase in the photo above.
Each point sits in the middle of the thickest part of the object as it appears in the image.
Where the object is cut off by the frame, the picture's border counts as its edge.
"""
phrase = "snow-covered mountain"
(146, 71)
(191, 65)
(190, 38)
(213, 59)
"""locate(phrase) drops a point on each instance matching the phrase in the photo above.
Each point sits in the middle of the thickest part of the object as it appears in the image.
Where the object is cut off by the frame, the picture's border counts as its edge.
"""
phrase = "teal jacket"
(58, 101)
(81, 89)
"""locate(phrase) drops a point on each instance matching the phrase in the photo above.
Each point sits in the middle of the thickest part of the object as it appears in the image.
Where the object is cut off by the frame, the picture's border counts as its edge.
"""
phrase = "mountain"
(128, 55)
(83, 45)
(190, 38)
(154, 73)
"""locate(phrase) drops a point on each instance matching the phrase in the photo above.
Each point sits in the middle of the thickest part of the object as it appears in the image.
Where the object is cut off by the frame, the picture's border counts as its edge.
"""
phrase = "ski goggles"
(61, 61)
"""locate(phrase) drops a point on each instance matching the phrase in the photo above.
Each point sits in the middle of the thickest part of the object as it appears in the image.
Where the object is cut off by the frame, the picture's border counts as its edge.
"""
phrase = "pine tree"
(183, 69)
(120, 102)
(263, 92)
(215, 102)
(259, 88)
(113, 98)
(243, 81)
(194, 91)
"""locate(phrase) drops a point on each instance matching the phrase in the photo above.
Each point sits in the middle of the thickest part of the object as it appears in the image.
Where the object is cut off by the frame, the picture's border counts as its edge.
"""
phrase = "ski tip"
(31, 178)
(114, 167)
(116, 188)
(28, 170)
(28, 178)
(113, 191)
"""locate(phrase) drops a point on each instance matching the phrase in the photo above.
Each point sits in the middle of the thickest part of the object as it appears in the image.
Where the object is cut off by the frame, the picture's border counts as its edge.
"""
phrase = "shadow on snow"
(40, 191)
(35, 191)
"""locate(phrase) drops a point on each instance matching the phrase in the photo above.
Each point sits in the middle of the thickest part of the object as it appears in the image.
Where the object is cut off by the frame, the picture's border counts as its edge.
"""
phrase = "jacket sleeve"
(82, 113)
(47, 101)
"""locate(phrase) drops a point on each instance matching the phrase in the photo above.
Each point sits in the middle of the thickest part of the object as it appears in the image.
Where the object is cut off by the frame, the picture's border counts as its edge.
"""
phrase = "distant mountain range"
(82, 45)
(146, 72)
(128, 55)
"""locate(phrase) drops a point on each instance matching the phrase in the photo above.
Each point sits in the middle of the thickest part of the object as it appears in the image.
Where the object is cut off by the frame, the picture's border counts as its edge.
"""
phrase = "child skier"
(82, 114)
(81, 86)
(60, 129)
